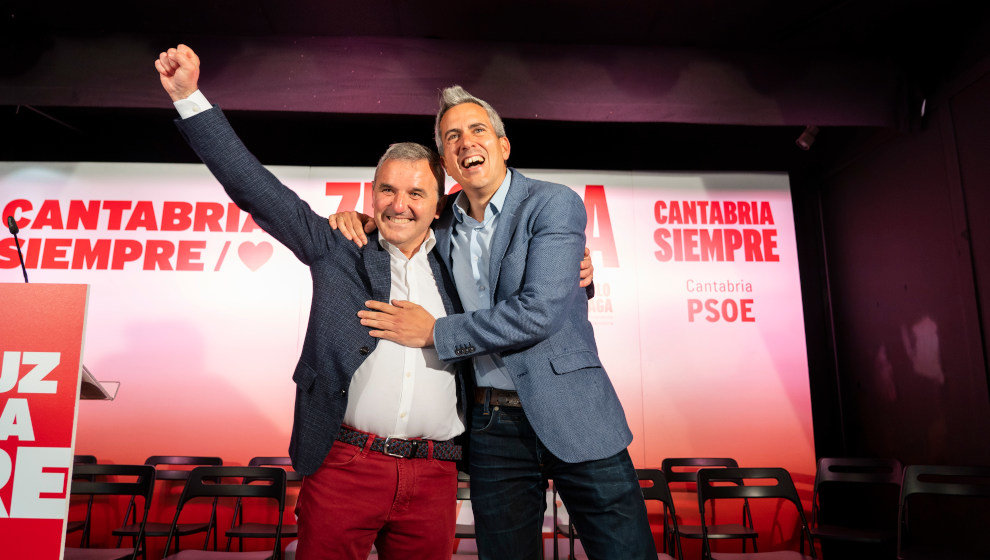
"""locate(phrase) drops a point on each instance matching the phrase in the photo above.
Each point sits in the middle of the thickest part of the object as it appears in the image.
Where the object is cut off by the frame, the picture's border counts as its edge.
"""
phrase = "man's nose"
(399, 202)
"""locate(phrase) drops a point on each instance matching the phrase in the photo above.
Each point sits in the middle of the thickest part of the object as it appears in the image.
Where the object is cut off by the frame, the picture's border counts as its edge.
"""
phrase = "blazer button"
(364, 351)
(343, 392)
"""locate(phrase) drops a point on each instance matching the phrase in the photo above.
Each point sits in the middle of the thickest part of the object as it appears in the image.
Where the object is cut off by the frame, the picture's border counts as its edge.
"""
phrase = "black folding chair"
(160, 529)
(214, 482)
(86, 482)
(657, 489)
(240, 529)
(463, 530)
(723, 484)
(685, 470)
(82, 524)
(854, 506)
(943, 513)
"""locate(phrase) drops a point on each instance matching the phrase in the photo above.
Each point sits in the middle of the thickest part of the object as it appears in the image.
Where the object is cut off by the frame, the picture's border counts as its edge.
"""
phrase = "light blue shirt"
(470, 253)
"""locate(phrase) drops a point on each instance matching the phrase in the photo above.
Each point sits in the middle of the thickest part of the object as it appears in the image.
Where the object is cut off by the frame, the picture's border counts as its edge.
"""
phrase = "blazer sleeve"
(546, 297)
(274, 207)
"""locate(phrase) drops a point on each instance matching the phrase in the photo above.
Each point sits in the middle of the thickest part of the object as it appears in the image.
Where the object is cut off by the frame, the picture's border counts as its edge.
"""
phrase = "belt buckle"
(386, 451)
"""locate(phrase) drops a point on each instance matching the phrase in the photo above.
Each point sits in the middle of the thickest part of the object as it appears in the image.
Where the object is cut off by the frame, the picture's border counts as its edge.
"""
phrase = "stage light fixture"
(807, 137)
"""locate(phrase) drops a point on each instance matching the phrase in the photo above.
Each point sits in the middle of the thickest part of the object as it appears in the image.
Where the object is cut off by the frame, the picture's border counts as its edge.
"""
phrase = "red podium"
(41, 339)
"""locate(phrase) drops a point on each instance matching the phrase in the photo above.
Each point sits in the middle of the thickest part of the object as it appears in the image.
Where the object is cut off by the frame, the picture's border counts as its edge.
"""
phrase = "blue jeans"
(509, 468)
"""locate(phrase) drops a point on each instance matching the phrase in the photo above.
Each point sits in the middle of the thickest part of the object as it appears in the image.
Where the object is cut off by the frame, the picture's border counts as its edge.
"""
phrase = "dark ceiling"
(926, 40)
(892, 27)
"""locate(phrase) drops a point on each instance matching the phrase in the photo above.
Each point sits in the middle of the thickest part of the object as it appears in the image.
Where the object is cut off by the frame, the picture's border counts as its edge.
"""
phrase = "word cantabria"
(53, 251)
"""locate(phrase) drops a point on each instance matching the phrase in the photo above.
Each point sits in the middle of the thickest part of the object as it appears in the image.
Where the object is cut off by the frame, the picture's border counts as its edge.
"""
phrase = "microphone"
(12, 226)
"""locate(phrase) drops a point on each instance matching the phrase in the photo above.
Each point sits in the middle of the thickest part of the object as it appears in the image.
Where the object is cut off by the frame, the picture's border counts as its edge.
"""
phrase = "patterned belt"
(499, 397)
(401, 448)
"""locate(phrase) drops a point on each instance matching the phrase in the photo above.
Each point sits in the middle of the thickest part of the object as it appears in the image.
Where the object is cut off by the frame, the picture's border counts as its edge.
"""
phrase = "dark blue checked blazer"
(344, 277)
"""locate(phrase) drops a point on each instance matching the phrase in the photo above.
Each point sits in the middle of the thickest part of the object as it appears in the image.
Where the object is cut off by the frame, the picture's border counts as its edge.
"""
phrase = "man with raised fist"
(374, 421)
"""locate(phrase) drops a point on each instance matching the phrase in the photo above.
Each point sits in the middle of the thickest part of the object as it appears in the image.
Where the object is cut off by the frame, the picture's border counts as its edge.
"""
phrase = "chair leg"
(570, 539)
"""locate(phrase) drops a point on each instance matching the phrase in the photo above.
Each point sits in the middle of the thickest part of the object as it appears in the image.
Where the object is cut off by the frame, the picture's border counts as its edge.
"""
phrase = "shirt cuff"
(193, 105)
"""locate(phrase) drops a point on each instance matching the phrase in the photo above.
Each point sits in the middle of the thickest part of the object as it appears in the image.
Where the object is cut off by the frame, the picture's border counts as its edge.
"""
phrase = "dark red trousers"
(406, 507)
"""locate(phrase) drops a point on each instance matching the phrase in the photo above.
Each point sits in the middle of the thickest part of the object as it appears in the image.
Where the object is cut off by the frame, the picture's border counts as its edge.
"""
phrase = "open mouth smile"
(472, 161)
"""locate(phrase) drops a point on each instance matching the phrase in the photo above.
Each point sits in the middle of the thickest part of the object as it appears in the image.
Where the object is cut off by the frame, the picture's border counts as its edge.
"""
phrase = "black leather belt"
(498, 397)
(401, 448)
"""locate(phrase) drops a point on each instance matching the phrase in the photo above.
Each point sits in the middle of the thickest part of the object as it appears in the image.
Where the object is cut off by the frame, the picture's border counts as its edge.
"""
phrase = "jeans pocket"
(497, 417)
(481, 422)
(510, 417)
(447, 467)
(341, 454)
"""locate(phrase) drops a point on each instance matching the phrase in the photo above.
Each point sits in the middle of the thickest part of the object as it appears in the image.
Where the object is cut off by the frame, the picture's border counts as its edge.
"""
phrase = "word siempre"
(715, 243)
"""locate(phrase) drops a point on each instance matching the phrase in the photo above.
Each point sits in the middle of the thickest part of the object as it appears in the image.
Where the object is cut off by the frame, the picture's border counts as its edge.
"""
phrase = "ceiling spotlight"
(807, 137)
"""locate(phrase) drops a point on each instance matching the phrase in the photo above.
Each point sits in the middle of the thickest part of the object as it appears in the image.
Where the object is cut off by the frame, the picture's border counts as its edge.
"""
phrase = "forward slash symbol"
(226, 245)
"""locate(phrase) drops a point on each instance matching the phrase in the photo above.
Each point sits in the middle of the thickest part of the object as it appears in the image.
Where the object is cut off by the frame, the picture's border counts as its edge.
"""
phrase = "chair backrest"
(940, 480)
(290, 474)
(729, 483)
(856, 473)
(859, 470)
(87, 481)
(89, 484)
(659, 490)
(214, 482)
(179, 460)
(691, 475)
(84, 459)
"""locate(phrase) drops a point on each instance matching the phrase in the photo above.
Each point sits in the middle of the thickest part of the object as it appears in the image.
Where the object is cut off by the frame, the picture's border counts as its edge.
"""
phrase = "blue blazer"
(538, 321)
(344, 277)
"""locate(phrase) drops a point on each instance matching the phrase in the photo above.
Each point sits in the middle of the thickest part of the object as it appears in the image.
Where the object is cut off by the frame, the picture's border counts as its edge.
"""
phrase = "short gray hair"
(456, 95)
(411, 151)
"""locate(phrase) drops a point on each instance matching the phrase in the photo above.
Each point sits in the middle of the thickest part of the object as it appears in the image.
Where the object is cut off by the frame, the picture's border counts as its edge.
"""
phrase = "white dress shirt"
(400, 391)
(470, 255)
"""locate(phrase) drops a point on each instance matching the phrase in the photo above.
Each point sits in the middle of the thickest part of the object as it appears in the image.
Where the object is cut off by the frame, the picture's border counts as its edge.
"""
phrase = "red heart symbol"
(255, 255)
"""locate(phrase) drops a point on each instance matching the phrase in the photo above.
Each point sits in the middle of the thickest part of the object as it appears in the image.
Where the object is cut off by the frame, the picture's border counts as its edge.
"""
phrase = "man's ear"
(440, 203)
(506, 148)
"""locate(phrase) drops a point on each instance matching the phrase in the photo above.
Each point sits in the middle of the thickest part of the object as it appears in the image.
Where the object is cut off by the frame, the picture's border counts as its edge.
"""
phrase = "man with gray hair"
(375, 422)
(544, 407)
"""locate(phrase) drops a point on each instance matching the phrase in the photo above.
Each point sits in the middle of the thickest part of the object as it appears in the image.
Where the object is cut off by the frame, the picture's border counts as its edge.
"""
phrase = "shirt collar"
(496, 203)
(424, 248)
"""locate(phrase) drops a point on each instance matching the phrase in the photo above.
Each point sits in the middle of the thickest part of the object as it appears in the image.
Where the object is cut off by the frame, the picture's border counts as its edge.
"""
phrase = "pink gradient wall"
(200, 316)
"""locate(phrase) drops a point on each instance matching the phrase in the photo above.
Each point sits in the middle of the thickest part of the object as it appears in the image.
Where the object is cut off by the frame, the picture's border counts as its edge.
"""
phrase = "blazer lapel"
(376, 264)
(451, 303)
(518, 191)
(441, 230)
